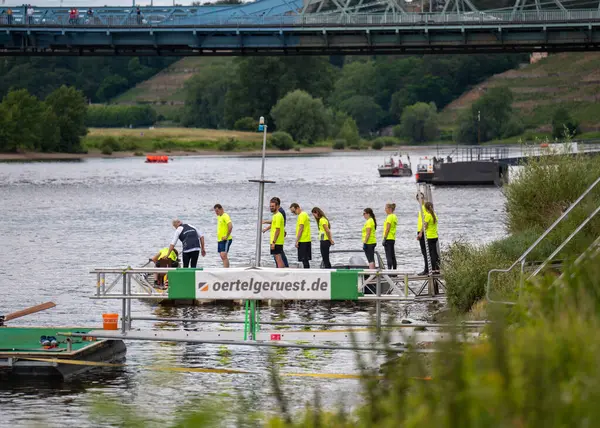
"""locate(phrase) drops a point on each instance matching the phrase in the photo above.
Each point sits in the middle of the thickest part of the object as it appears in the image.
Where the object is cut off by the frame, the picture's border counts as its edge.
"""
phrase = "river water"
(59, 220)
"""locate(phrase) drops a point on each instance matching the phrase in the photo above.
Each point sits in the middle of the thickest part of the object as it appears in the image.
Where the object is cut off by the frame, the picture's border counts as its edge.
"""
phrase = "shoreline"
(75, 157)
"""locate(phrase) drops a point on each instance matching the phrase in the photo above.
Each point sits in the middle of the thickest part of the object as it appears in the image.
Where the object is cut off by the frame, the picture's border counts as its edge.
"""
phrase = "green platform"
(27, 339)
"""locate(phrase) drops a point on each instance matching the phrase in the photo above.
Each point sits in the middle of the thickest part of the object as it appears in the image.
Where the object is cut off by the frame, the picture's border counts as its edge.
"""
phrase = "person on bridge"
(277, 236)
(9, 16)
(224, 228)
(138, 14)
(325, 237)
(303, 237)
(389, 236)
(191, 240)
(30, 13)
(369, 239)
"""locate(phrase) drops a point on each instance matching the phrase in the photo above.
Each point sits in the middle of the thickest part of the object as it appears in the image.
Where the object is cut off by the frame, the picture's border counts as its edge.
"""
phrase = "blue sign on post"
(261, 127)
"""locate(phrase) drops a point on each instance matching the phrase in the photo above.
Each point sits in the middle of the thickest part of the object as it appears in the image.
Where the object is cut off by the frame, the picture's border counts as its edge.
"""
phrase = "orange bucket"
(110, 321)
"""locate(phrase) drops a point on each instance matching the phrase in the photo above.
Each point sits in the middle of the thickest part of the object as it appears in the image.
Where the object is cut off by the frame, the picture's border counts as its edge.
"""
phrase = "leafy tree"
(349, 133)
(261, 81)
(419, 123)
(28, 124)
(111, 86)
(302, 116)
(120, 116)
(563, 122)
(70, 108)
(205, 97)
(487, 117)
(365, 111)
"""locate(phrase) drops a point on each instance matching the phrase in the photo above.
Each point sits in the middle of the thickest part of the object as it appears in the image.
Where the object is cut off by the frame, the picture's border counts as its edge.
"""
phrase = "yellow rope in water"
(202, 369)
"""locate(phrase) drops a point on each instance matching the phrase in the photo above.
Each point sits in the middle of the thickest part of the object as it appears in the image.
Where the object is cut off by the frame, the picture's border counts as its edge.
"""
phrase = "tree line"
(99, 78)
(54, 124)
(373, 93)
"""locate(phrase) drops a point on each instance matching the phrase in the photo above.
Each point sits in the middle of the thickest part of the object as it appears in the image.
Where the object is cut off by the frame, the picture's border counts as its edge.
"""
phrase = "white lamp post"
(261, 192)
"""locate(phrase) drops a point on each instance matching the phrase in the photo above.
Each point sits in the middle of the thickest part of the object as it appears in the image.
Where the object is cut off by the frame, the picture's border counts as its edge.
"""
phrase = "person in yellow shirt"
(430, 221)
(325, 237)
(163, 259)
(303, 237)
(420, 236)
(369, 239)
(224, 239)
(277, 236)
(389, 236)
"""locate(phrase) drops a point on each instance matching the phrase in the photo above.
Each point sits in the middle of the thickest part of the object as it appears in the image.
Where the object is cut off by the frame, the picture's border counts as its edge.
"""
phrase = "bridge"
(305, 27)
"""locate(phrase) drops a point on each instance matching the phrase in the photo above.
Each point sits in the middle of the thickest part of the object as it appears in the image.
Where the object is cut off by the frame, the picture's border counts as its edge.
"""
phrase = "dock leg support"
(124, 309)
(378, 305)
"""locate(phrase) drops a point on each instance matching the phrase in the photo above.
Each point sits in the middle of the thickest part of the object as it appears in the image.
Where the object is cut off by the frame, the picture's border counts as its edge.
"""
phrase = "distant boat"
(157, 159)
(397, 165)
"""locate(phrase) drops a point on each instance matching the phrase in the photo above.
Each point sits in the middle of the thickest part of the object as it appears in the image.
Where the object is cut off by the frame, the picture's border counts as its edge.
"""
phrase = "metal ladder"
(522, 259)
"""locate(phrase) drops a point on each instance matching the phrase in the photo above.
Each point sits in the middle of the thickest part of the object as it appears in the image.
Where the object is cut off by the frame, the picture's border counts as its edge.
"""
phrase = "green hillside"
(165, 90)
(569, 80)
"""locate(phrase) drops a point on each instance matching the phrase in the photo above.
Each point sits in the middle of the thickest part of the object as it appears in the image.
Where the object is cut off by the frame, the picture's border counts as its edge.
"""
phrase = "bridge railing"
(174, 17)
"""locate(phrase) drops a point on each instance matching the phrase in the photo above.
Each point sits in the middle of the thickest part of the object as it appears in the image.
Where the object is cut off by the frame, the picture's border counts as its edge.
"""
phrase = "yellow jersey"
(163, 253)
(277, 223)
(392, 220)
(420, 219)
(369, 224)
(432, 228)
(223, 222)
(303, 220)
(322, 234)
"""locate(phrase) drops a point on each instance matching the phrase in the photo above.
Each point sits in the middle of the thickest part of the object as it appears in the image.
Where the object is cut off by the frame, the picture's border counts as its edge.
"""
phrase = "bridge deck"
(214, 34)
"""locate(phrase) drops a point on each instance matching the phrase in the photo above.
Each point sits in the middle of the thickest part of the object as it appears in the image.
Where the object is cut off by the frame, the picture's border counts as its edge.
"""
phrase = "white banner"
(263, 283)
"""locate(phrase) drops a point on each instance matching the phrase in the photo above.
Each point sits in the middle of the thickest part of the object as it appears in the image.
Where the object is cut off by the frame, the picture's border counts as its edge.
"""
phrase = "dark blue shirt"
(282, 211)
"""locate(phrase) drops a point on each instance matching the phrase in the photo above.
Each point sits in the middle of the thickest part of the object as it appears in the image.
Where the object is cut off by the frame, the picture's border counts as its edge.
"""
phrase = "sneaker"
(44, 341)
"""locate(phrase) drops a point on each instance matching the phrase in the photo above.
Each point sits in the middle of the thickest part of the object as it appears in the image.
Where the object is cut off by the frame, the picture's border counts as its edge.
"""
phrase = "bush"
(228, 146)
(109, 145)
(246, 124)
(349, 132)
(563, 125)
(339, 144)
(376, 145)
(387, 141)
(513, 127)
(282, 140)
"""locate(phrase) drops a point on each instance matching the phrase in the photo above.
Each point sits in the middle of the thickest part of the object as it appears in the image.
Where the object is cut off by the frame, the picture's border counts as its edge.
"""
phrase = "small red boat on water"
(157, 159)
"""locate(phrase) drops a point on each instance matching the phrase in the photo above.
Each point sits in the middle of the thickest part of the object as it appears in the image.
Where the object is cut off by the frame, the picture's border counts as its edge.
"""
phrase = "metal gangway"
(521, 263)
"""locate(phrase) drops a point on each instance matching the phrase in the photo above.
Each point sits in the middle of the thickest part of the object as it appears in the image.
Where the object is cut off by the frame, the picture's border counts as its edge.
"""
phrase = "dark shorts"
(223, 246)
(166, 263)
(369, 250)
(304, 251)
(277, 250)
